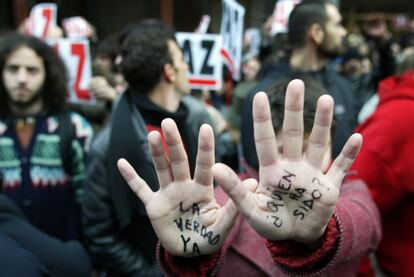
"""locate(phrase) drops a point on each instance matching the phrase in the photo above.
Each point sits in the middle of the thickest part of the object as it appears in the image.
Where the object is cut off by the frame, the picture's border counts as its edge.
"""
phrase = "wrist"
(296, 256)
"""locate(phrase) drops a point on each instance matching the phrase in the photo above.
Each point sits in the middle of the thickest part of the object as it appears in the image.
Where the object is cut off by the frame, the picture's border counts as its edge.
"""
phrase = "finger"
(231, 184)
(136, 183)
(264, 134)
(228, 215)
(250, 184)
(162, 166)
(319, 138)
(293, 121)
(345, 159)
(178, 157)
(205, 156)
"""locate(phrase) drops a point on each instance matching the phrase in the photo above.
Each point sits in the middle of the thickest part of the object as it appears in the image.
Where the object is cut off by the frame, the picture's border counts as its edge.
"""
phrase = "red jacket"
(353, 232)
(386, 164)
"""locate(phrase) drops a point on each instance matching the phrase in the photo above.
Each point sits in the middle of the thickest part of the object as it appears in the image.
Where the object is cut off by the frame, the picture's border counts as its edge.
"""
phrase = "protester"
(42, 150)
(42, 146)
(386, 165)
(295, 219)
(316, 34)
(117, 229)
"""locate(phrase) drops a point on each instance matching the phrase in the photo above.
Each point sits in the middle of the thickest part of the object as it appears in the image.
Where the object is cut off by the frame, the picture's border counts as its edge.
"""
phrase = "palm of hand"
(293, 201)
(190, 216)
(183, 212)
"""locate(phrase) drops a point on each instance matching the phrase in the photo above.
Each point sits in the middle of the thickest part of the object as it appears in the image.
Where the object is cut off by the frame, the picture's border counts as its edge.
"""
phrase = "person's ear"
(169, 72)
(316, 33)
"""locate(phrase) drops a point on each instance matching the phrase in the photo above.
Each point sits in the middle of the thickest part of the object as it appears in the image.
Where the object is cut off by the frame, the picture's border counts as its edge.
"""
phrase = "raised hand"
(183, 212)
(102, 89)
(294, 198)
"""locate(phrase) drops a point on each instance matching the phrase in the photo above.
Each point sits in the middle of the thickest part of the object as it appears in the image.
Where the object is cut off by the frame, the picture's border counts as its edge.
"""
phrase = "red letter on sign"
(79, 50)
(47, 14)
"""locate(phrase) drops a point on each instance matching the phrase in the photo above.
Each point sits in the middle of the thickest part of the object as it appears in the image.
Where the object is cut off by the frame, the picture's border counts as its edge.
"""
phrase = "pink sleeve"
(188, 267)
(353, 232)
(294, 256)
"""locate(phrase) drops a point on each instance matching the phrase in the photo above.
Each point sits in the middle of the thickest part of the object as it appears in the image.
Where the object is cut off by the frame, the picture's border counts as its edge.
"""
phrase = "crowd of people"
(304, 167)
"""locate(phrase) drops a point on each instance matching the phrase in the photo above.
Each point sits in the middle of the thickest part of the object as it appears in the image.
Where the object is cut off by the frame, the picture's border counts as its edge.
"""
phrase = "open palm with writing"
(294, 199)
(183, 212)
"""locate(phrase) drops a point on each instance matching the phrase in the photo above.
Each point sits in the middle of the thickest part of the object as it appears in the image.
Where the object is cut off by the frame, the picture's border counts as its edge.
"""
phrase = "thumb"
(233, 186)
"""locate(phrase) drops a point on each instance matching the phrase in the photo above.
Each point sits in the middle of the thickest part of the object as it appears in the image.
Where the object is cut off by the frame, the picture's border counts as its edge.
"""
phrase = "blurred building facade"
(109, 16)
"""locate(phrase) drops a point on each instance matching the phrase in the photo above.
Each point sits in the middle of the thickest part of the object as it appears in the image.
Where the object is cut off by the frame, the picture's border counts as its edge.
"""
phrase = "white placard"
(77, 27)
(231, 31)
(202, 53)
(281, 14)
(252, 38)
(42, 19)
(77, 58)
(204, 23)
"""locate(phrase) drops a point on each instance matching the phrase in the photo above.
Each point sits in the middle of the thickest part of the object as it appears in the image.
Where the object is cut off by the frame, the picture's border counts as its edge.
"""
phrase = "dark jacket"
(39, 252)
(338, 87)
(117, 229)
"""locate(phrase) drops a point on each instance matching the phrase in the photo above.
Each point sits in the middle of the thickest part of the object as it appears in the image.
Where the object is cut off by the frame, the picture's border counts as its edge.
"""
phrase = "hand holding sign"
(78, 27)
(42, 20)
(294, 199)
(183, 212)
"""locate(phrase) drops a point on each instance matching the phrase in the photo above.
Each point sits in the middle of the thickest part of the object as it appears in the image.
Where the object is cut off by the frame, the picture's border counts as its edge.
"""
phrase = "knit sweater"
(35, 178)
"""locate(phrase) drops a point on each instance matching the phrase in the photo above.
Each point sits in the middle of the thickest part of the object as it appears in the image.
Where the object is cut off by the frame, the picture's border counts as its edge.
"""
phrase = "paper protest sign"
(202, 53)
(281, 14)
(42, 19)
(231, 31)
(76, 55)
(252, 39)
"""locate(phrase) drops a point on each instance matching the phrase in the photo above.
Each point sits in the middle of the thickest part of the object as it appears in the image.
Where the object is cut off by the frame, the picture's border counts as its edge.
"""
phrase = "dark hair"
(54, 89)
(277, 93)
(144, 52)
(302, 17)
(107, 47)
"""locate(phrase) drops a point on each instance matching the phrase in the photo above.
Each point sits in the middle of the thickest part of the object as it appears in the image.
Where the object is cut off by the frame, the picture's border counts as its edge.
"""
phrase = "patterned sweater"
(35, 179)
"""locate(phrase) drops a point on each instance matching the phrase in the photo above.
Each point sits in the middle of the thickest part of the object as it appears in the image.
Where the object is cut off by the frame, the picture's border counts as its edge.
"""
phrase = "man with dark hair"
(316, 34)
(42, 147)
(42, 151)
(117, 227)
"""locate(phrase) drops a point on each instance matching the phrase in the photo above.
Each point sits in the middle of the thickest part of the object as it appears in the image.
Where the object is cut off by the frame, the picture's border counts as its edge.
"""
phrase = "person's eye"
(12, 68)
(33, 70)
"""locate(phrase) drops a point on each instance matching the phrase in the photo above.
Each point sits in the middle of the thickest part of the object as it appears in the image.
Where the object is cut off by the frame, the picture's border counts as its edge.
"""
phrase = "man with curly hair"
(118, 231)
(42, 156)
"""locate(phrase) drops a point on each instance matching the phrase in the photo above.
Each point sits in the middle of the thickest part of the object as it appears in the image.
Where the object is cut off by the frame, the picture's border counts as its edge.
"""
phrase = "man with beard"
(316, 35)
(42, 146)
